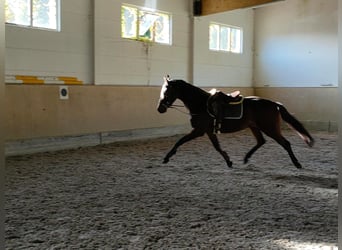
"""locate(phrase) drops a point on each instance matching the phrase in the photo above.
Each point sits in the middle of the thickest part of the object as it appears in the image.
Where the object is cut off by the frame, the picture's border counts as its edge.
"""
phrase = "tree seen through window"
(145, 25)
(32, 13)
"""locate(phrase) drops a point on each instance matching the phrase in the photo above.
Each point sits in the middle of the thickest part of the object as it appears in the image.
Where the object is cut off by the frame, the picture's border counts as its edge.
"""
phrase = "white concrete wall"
(215, 68)
(50, 53)
(296, 44)
(122, 61)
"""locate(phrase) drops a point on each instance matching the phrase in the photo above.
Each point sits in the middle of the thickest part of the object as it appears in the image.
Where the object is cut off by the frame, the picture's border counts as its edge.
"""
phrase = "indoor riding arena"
(98, 147)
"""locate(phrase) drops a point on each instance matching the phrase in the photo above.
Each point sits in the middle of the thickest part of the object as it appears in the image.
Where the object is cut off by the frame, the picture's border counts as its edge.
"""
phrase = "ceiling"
(207, 7)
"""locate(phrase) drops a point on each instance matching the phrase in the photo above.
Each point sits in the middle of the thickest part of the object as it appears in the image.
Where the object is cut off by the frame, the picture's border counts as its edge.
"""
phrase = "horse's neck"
(195, 99)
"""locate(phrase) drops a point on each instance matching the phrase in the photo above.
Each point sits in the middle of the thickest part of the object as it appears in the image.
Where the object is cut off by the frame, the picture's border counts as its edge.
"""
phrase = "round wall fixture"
(63, 93)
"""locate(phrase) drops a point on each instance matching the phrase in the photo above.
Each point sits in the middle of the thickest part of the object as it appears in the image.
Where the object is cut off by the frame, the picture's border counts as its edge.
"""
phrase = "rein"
(177, 107)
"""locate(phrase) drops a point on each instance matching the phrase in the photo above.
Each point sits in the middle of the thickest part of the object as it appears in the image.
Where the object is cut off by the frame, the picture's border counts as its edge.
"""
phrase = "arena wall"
(91, 115)
(118, 81)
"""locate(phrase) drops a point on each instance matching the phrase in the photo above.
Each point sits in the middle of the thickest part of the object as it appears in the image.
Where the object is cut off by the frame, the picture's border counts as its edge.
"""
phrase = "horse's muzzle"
(162, 108)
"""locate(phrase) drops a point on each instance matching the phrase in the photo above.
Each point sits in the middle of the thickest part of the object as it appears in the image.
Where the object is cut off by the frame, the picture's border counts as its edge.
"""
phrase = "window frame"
(219, 46)
(137, 36)
(31, 25)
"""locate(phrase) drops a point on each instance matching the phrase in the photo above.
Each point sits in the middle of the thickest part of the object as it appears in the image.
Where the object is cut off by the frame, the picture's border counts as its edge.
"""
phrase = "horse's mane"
(188, 86)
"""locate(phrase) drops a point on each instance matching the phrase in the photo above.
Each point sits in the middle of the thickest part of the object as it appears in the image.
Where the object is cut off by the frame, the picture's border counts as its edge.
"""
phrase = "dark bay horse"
(260, 115)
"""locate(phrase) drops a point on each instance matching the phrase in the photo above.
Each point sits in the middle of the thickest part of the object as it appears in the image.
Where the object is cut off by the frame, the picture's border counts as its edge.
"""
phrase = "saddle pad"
(233, 111)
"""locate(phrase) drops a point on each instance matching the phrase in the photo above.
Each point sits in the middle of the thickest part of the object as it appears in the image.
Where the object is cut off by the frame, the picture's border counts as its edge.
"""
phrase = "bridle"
(167, 104)
(177, 107)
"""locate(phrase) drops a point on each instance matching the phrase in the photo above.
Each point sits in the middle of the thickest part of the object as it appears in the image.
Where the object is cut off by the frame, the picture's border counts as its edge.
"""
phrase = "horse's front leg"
(215, 142)
(192, 135)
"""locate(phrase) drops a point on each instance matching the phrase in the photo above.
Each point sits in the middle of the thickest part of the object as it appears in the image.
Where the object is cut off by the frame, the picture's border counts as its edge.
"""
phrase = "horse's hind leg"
(216, 144)
(287, 146)
(260, 141)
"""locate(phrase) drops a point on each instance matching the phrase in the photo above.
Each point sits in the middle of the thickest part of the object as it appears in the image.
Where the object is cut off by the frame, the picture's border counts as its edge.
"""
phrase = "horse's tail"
(296, 125)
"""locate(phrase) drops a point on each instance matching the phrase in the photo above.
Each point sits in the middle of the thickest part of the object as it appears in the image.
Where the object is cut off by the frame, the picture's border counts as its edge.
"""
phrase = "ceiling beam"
(216, 6)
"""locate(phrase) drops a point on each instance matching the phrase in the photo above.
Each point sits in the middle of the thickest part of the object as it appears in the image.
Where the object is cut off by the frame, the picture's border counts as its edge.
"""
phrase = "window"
(33, 13)
(225, 38)
(145, 25)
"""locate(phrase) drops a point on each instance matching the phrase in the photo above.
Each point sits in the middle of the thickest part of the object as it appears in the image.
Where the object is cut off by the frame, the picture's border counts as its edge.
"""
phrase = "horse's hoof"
(165, 161)
(298, 165)
(230, 164)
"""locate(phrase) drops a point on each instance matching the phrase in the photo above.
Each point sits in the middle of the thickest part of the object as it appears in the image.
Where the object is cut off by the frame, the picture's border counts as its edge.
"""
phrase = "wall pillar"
(2, 150)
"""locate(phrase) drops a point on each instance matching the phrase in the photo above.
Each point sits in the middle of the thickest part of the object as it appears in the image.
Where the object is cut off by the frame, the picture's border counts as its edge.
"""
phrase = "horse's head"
(168, 95)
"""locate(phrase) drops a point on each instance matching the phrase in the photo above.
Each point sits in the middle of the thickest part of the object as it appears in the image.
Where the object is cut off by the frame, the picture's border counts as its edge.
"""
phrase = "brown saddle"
(230, 104)
(236, 98)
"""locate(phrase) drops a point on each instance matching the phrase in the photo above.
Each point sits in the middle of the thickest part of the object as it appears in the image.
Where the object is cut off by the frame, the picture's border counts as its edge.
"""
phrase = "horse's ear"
(166, 78)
